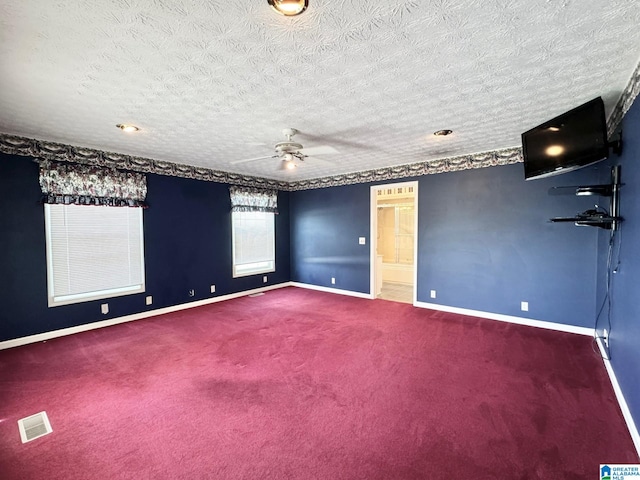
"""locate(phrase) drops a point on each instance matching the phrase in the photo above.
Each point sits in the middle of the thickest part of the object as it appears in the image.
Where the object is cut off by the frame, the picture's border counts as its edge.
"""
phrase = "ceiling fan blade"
(234, 162)
(320, 161)
(323, 150)
(336, 138)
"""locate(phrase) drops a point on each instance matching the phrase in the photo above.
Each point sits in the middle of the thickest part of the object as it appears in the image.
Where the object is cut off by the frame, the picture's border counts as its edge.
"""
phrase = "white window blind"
(93, 252)
(253, 243)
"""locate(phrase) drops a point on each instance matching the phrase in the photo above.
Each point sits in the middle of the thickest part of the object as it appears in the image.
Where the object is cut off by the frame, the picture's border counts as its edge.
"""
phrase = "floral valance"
(73, 183)
(246, 199)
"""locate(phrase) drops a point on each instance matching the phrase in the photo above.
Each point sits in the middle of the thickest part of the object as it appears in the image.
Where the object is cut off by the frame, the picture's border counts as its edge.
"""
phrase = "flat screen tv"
(572, 140)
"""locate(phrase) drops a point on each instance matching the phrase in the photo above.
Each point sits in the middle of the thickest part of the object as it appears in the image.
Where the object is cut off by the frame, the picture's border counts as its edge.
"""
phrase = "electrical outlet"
(148, 300)
(362, 241)
(433, 294)
(524, 306)
(192, 292)
(104, 308)
(264, 279)
(213, 289)
(333, 281)
(605, 337)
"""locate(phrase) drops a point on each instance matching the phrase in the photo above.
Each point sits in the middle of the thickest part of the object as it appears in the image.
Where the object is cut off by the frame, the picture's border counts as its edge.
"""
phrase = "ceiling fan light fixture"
(289, 8)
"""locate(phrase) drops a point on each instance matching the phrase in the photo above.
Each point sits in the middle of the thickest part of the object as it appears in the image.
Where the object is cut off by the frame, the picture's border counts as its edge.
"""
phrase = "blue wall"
(624, 337)
(187, 246)
(325, 226)
(484, 242)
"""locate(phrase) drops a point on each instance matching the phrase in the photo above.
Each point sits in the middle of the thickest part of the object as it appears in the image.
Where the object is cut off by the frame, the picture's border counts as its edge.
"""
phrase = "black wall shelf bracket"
(594, 218)
(599, 190)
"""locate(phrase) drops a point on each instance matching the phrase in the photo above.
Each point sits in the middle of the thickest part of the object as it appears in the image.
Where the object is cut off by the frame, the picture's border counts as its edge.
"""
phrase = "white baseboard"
(508, 318)
(331, 290)
(626, 413)
(40, 337)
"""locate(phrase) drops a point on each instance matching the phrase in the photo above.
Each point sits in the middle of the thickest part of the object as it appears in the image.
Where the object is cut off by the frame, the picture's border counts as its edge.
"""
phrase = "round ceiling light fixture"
(289, 8)
(127, 128)
(442, 133)
(289, 160)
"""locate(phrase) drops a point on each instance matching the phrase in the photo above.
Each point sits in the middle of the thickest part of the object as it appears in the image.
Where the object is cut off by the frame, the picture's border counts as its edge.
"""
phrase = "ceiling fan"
(290, 153)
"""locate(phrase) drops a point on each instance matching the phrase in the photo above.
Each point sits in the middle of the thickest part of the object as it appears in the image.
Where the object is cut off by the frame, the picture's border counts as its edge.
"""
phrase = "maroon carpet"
(297, 384)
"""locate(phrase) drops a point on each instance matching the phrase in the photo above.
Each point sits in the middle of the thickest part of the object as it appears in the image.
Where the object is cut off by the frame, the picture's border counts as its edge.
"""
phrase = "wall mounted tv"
(572, 140)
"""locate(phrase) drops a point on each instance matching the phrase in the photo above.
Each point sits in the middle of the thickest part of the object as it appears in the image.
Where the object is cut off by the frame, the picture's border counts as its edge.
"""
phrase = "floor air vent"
(34, 427)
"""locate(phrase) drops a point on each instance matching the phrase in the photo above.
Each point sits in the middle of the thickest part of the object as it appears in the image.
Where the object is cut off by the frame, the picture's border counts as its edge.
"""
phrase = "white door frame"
(373, 235)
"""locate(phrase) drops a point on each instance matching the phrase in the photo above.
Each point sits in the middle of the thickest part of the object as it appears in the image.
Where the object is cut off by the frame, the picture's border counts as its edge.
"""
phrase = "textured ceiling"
(210, 82)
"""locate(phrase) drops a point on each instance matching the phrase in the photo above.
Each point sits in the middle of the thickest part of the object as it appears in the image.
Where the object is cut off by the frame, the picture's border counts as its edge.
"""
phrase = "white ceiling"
(210, 82)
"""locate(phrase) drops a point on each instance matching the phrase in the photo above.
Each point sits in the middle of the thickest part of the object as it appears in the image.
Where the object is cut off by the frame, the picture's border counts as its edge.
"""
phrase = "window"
(253, 243)
(253, 230)
(94, 234)
(93, 252)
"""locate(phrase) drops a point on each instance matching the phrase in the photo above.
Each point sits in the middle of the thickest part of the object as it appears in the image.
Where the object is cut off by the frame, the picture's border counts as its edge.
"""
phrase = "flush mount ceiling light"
(127, 128)
(289, 8)
(442, 133)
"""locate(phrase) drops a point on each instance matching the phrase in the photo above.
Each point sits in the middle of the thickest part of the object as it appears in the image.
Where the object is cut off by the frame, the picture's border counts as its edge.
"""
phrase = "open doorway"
(394, 226)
